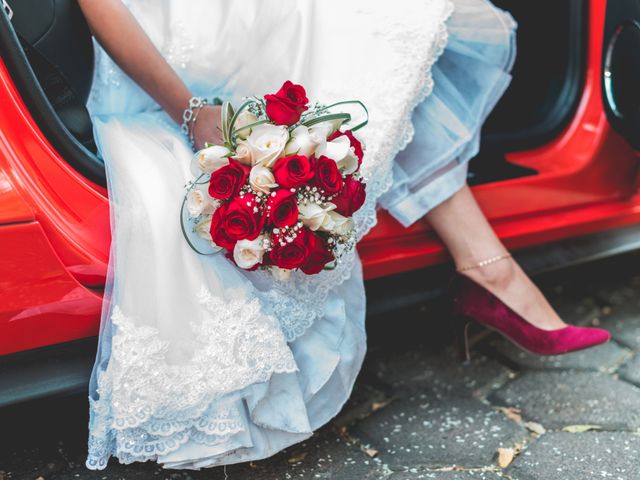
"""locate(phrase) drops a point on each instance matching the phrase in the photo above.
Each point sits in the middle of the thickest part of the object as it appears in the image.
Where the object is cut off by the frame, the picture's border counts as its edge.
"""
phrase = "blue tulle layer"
(469, 79)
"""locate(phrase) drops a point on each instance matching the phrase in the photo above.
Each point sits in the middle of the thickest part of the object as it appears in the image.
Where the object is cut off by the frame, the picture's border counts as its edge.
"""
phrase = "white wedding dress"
(200, 363)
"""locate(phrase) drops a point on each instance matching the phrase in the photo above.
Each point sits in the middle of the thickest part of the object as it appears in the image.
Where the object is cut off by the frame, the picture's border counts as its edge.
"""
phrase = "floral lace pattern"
(148, 406)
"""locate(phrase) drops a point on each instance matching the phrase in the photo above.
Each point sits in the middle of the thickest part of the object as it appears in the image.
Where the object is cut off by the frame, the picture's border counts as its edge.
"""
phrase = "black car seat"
(58, 45)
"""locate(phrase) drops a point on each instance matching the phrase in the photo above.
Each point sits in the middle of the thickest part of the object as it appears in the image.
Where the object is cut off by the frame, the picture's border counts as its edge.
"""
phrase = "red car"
(558, 176)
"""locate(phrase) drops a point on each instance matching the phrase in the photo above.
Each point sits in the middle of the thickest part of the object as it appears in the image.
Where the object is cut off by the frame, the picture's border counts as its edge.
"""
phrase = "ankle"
(496, 276)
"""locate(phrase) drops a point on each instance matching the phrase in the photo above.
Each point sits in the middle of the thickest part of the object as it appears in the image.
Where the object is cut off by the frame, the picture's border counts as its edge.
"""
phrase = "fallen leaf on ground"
(580, 428)
(372, 452)
(375, 406)
(535, 427)
(297, 458)
(505, 457)
(511, 413)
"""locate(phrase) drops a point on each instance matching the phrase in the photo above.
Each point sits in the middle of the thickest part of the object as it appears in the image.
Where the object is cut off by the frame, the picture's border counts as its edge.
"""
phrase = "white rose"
(244, 118)
(199, 202)
(243, 154)
(336, 223)
(304, 141)
(325, 129)
(313, 216)
(261, 179)
(212, 158)
(342, 152)
(267, 143)
(248, 253)
(281, 274)
(203, 227)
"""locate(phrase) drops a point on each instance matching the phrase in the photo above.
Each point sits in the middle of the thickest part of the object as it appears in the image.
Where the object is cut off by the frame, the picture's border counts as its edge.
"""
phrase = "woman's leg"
(465, 231)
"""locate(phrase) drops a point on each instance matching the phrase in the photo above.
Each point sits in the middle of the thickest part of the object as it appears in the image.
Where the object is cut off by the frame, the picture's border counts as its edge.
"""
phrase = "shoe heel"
(463, 324)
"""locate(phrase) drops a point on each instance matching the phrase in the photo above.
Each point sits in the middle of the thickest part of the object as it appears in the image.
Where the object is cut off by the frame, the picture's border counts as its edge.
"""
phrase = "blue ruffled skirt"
(469, 79)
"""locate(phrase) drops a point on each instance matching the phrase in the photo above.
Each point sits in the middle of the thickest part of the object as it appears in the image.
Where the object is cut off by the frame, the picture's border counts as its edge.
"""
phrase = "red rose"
(293, 171)
(228, 180)
(241, 220)
(351, 198)
(318, 255)
(286, 106)
(328, 176)
(282, 208)
(292, 254)
(218, 231)
(355, 143)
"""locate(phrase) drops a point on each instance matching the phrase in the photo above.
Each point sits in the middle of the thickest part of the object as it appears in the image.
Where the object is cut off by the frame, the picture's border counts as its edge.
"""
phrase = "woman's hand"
(207, 127)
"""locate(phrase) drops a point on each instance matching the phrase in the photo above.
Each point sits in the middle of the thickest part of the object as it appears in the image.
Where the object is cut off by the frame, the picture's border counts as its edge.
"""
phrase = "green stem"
(345, 117)
(351, 102)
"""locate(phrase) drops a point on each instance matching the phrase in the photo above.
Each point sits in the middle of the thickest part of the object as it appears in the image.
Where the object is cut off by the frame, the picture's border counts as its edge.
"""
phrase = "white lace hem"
(147, 406)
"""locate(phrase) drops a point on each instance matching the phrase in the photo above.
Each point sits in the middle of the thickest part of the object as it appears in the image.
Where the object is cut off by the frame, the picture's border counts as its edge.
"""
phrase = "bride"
(203, 364)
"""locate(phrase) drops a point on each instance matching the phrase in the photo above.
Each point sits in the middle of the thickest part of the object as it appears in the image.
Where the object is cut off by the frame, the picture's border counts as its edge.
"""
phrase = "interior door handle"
(7, 9)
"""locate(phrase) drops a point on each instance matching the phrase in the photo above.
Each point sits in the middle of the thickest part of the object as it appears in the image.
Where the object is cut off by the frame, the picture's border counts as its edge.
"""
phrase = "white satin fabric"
(200, 363)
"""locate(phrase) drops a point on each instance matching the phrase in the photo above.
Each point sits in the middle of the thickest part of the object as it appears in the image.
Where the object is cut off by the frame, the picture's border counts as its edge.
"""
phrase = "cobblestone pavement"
(417, 412)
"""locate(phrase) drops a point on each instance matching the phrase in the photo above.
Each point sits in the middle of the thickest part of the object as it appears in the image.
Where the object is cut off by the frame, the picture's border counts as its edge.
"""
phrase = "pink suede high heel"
(474, 302)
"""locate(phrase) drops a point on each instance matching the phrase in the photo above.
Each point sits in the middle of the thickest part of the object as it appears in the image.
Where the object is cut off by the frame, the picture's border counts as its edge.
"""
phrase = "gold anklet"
(483, 263)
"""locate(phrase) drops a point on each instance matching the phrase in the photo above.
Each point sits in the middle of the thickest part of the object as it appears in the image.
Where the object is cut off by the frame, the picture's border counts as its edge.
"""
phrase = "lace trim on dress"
(147, 406)
(298, 301)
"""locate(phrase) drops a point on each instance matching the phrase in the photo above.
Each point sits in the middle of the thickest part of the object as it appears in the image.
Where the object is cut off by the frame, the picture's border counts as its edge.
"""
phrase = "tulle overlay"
(200, 363)
(469, 79)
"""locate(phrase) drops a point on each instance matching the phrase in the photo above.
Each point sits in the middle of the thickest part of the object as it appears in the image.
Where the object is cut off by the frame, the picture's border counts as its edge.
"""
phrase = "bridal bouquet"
(281, 191)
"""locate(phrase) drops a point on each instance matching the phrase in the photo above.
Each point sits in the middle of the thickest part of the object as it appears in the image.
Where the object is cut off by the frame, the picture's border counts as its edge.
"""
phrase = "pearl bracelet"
(484, 263)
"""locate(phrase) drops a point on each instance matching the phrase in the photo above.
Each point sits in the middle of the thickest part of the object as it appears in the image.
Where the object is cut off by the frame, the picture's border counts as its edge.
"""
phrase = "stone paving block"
(560, 398)
(630, 371)
(443, 374)
(623, 321)
(602, 358)
(325, 457)
(573, 307)
(423, 431)
(579, 456)
(616, 289)
(440, 475)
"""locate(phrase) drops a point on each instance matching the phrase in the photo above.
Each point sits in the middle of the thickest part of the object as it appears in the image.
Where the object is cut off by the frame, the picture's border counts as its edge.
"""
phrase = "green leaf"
(224, 121)
(352, 102)
(242, 107)
(345, 117)
(251, 125)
